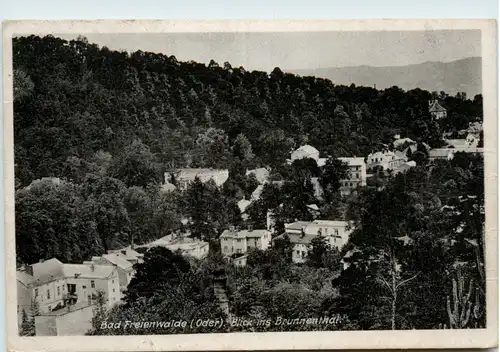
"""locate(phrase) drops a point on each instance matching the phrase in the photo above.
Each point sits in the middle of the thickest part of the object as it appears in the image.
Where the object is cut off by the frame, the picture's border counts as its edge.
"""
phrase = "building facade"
(436, 110)
(70, 321)
(55, 286)
(235, 241)
(336, 232)
(125, 268)
(356, 175)
(305, 152)
(385, 159)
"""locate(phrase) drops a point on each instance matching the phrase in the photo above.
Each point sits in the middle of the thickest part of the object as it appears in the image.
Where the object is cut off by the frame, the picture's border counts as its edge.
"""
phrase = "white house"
(125, 268)
(335, 231)
(356, 177)
(305, 152)
(436, 110)
(386, 159)
(235, 241)
(55, 285)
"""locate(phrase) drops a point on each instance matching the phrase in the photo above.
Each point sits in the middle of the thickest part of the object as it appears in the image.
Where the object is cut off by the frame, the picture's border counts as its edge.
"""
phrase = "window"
(48, 294)
(58, 290)
(36, 292)
(112, 281)
(336, 232)
(238, 240)
(113, 290)
(303, 254)
(84, 287)
(50, 309)
(298, 252)
(225, 249)
(92, 283)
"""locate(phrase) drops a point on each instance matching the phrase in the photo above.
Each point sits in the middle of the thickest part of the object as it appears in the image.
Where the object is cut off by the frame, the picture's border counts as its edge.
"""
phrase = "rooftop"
(48, 270)
(436, 107)
(244, 233)
(243, 205)
(88, 271)
(119, 260)
(261, 174)
(353, 161)
(189, 171)
(330, 222)
(24, 278)
(308, 149)
(297, 225)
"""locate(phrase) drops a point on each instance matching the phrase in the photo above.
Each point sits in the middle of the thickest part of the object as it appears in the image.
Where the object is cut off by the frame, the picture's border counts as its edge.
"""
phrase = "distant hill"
(451, 77)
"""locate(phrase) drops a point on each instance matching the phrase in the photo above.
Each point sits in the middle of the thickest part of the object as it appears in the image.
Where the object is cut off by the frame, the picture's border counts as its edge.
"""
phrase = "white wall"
(75, 323)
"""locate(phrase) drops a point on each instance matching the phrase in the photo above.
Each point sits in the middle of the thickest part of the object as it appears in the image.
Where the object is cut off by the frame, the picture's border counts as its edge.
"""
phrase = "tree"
(27, 325)
(161, 268)
(277, 147)
(318, 251)
(332, 173)
(138, 204)
(104, 205)
(23, 85)
(99, 314)
(213, 148)
(242, 149)
(51, 222)
(136, 166)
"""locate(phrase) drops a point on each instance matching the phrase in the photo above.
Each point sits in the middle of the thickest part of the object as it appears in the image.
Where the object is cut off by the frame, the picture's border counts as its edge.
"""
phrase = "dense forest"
(95, 129)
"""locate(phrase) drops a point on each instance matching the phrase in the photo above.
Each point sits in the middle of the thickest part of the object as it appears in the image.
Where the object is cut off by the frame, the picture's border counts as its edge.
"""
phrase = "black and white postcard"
(250, 185)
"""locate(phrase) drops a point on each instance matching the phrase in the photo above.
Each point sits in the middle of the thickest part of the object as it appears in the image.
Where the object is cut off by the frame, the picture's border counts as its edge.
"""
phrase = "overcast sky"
(301, 50)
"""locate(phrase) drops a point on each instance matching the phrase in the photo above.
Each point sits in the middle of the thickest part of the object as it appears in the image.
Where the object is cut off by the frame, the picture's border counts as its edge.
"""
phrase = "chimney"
(41, 260)
(250, 227)
(232, 228)
(375, 86)
(92, 267)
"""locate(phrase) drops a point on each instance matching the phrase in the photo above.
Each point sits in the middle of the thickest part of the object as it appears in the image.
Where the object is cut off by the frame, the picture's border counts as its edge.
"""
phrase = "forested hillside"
(73, 99)
(103, 125)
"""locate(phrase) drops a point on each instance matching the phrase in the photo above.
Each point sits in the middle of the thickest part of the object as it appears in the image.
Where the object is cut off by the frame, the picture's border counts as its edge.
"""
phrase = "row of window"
(325, 231)
(301, 254)
(60, 289)
(226, 250)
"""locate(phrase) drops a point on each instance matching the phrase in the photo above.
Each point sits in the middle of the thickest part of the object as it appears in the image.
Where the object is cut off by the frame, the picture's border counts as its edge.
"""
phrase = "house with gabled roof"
(301, 233)
(436, 110)
(125, 268)
(239, 241)
(54, 284)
